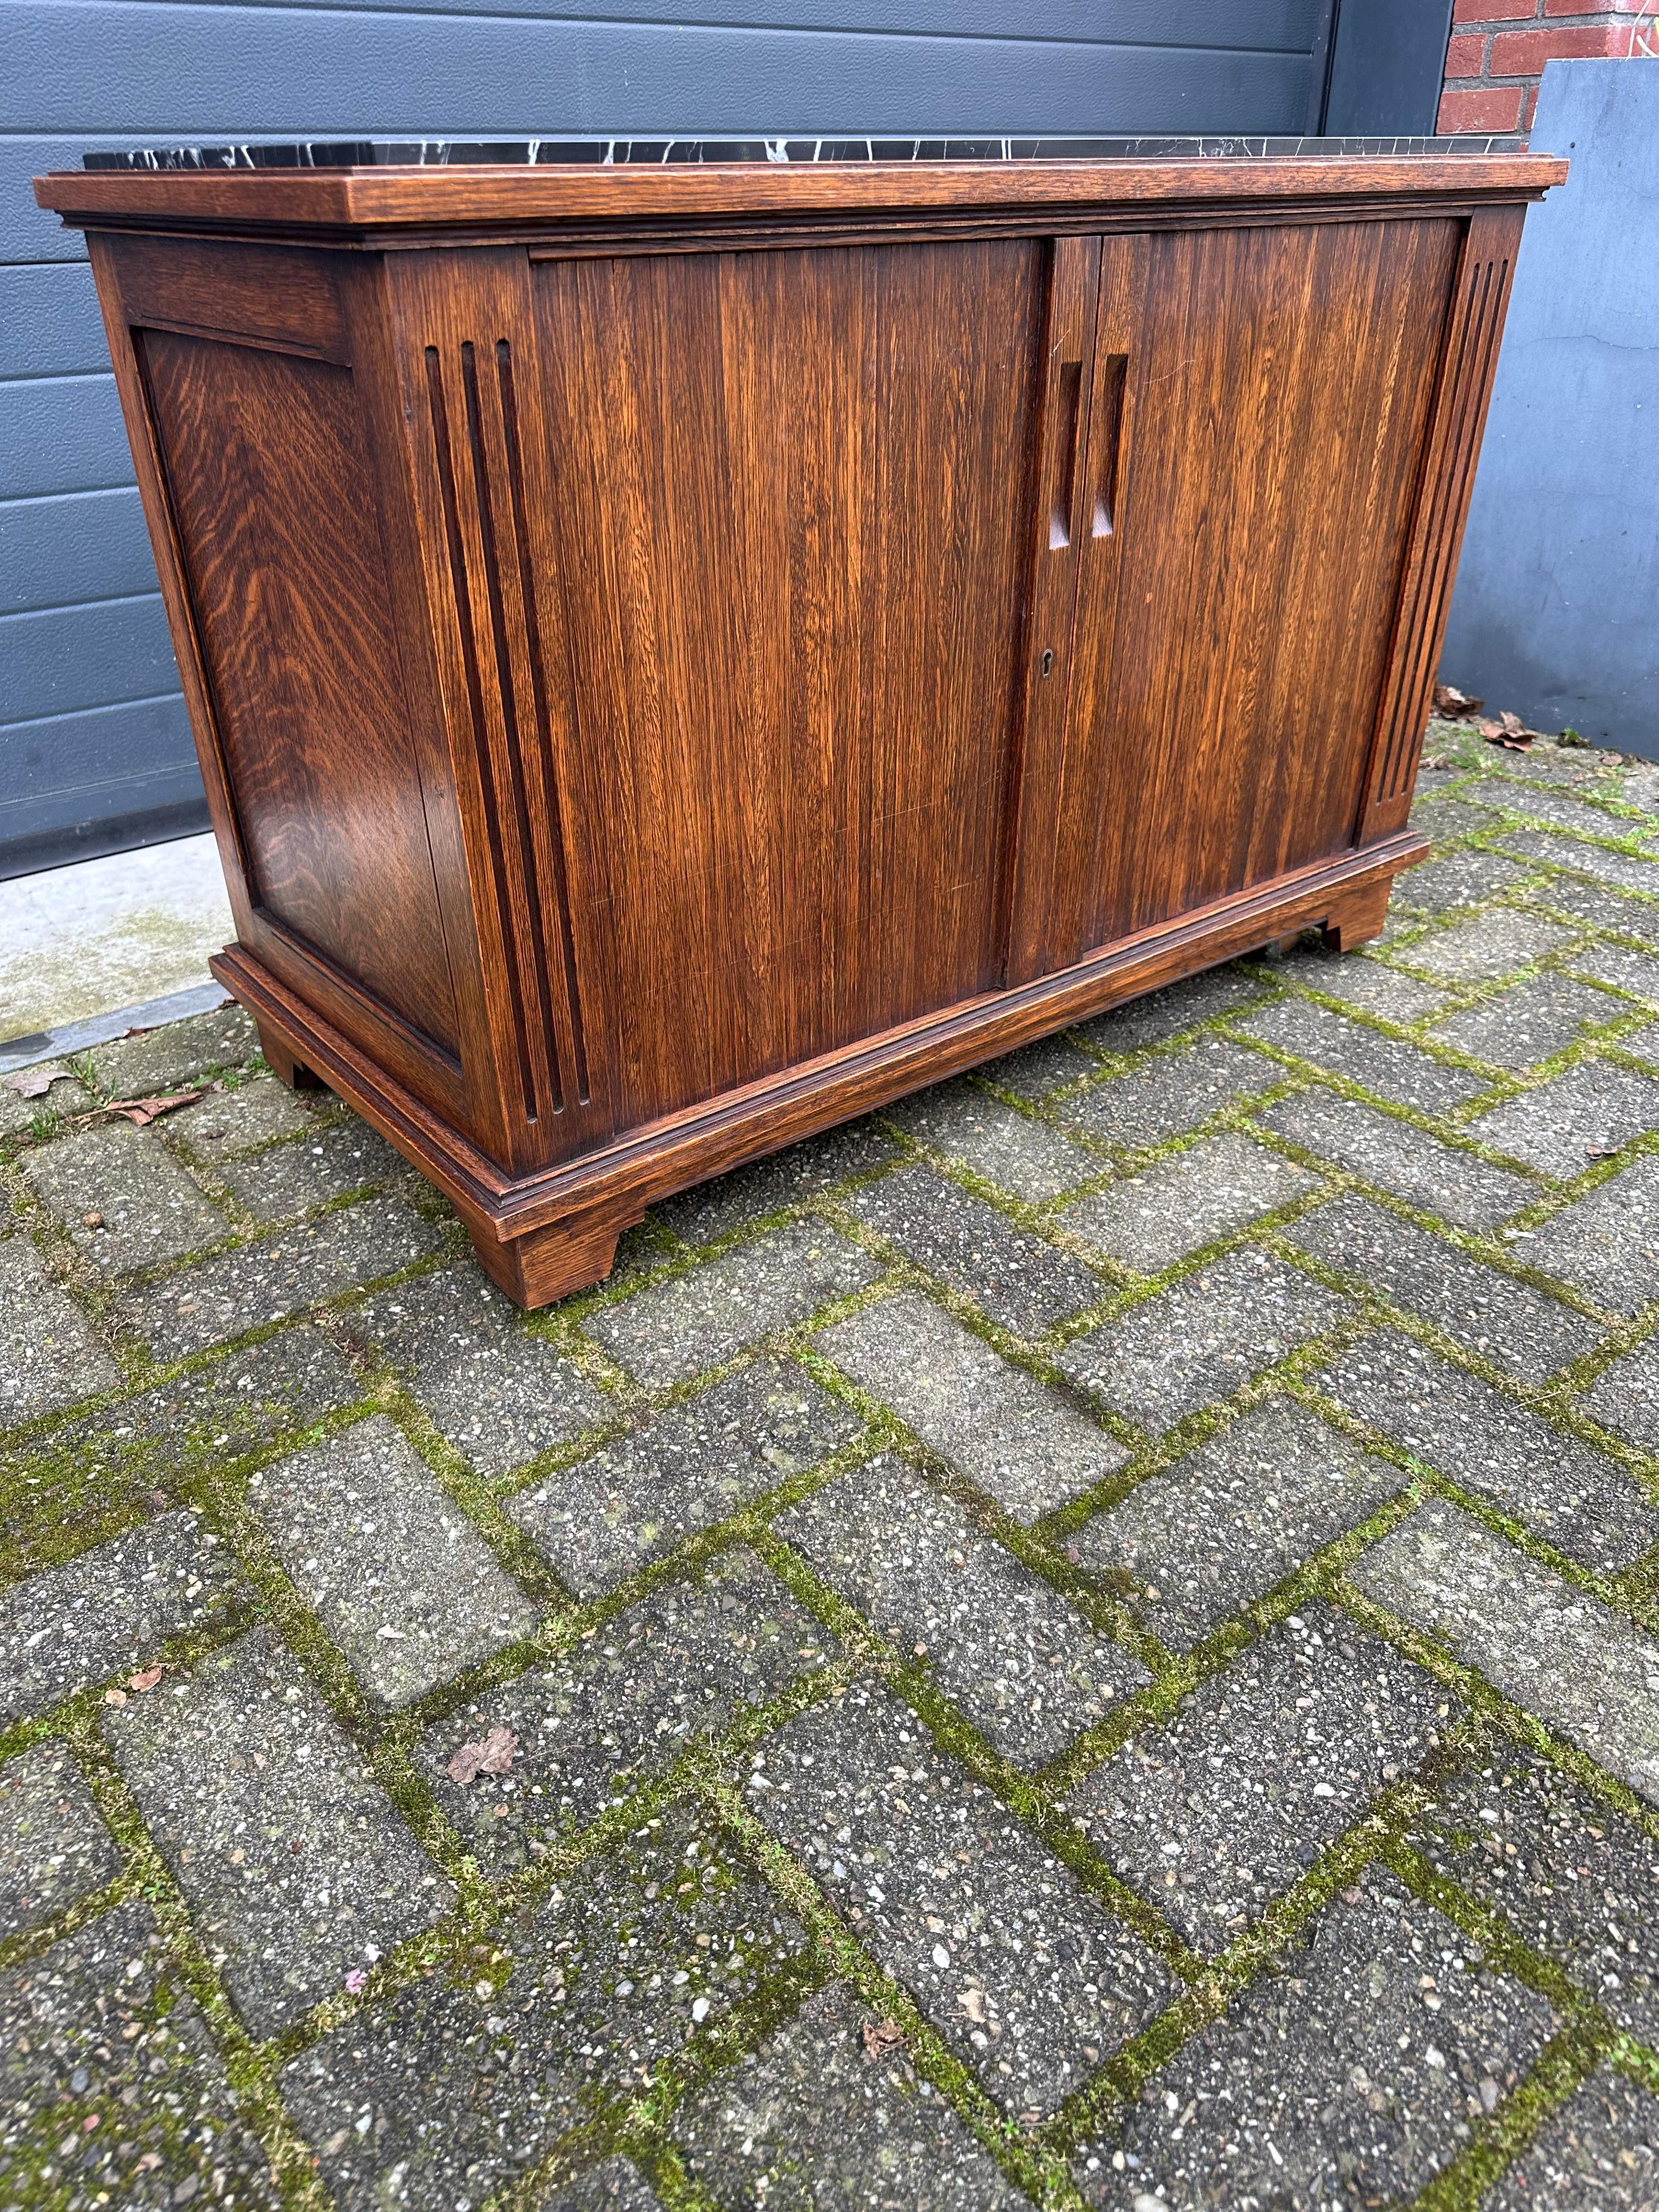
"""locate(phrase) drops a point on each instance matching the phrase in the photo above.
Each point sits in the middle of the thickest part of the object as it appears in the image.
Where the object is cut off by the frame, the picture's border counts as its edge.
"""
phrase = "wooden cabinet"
(680, 655)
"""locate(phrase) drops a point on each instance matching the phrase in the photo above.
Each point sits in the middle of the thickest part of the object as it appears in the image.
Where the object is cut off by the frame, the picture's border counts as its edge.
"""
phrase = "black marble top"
(524, 153)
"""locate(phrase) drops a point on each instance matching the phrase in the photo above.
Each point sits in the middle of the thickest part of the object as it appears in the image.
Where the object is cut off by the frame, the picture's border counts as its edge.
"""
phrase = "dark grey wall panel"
(97, 782)
(64, 434)
(1386, 67)
(51, 546)
(66, 658)
(1556, 612)
(49, 322)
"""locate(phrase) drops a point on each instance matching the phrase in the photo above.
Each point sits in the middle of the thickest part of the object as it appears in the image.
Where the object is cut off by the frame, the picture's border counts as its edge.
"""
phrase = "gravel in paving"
(498, 1392)
(223, 1125)
(124, 1200)
(1495, 944)
(1023, 1665)
(1601, 2149)
(1036, 1071)
(286, 1273)
(1506, 1321)
(614, 2185)
(399, 1577)
(54, 1847)
(674, 1329)
(1607, 1244)
(1561, 1127)
(1575, 1878)
(1021, 1971)
(50, 1354)
(814, 2118)
(1397, 1157)
(1461, 879)
(1001, 1145)
(1388, 1066)
(782, 1179)
(1203, 1338)
(108, 1610)
(1202, 1538)
(1359, 981)
(1215, 1812)
(1635, 972)
(1545, 1644)
(1010, 1435)
(1528, 1022)
(1024, 1285)
(453, 2087)
(1216, 1186)
(181, 1053)
(297, 1866)
(102, 2025)
(611, 1514)
(1625, 1397)
(1621, 868)
(1164, 1014)
(1350, 2077)
(314, 1171)
(1576, 1497)
(618, 1710)
(1171, 1093)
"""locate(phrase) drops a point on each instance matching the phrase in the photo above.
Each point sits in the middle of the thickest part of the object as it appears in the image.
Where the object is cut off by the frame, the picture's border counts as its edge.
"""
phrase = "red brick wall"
(1498, 49)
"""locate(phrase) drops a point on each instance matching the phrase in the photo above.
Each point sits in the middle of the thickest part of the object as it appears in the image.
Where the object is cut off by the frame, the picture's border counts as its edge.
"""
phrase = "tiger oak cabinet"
(684, 650)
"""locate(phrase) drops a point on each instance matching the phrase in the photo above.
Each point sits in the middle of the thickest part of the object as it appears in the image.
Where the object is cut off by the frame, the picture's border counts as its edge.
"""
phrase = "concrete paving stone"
(618, 1710)
(1600, 2148)
(1036, 1071)
(632, 1502)
(1541, 1642)
(1625, 1397)
(451, 2090)
(1203, 1338)
(614, 2185)
(1445, 815)
(1021, 1283)
(108, 1610)
(223, 1125)
(1007, 1148)
(101, 2024)
(1349, 2077)
(1218, 1811)
(497, 1392)
(790, 1177)
(1024, 1666)
(1010, 1435)
(1508, 1322)
(50, 1354)
(1461, 879)
(1359, 981)
(1398, 1157)
(1160, 1015)
(1575, 1878)
(313, 1171)
(398, 1576)
(1388, 1066)
(1547, 762)
(1539, 803)
(297, 1866)
(1494, 944)
(284, 1274)
(1623, 869)
(1574, 1497)
(1219, 1184)
(1562, 1126)
(1207, 1536)
(148, 1209)
(1023, 1973)
(1528, 1022)
(1639, 785)
(1635, 972)
(1608, 1243)
(674, 1329)
(1601, 905)
(54, 1847)
(166, 1058)
(65, 1095)
(813, 2119)
(1167, 1096)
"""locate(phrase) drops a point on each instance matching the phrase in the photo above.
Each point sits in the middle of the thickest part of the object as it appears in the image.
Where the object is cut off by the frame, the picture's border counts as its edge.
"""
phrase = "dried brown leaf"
(881, 2035)
(35, 1082)
(145, 1678)
(1451, 701)
(493, 1756)
(141, 1112)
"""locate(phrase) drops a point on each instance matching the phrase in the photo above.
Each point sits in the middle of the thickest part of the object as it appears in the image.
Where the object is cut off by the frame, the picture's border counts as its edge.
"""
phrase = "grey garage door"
(94, 751)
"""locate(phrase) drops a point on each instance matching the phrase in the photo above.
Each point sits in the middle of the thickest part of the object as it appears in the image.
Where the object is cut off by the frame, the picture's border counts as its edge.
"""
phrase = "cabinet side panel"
(794, 507)
(276, 516)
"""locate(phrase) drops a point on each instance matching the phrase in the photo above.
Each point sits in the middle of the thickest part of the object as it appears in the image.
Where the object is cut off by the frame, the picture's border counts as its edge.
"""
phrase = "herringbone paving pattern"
(1092, 1639)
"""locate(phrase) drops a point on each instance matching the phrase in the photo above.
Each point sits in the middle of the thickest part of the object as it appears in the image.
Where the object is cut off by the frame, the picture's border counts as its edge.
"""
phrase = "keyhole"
(1046, 666)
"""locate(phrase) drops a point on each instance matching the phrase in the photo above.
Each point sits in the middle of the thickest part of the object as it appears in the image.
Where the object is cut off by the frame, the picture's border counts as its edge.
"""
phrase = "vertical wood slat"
(1474, 327)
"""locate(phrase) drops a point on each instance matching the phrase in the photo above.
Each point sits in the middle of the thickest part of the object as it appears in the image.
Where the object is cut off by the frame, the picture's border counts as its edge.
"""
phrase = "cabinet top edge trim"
(370, 200)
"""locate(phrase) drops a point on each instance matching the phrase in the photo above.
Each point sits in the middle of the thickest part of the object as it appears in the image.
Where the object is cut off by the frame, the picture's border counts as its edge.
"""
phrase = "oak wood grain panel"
(279, 296)
(794, 495)
(1234, 622)
(280, 540)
